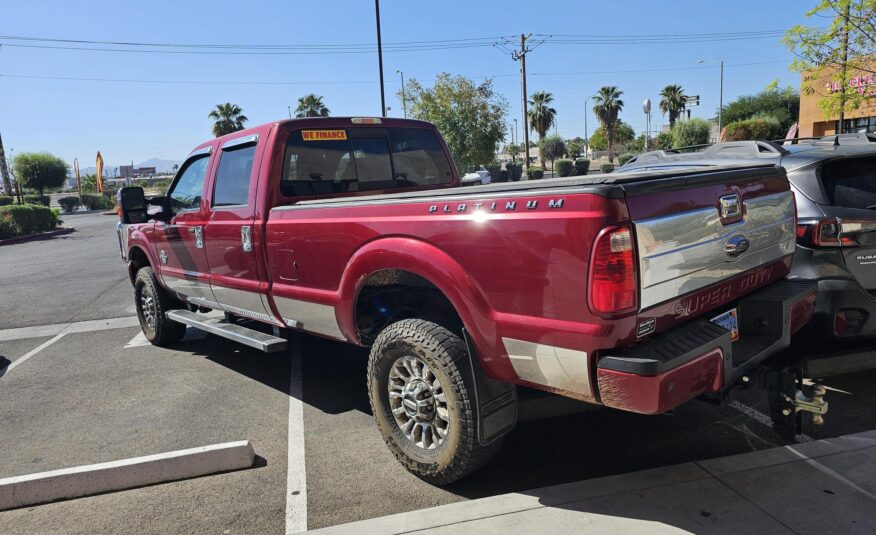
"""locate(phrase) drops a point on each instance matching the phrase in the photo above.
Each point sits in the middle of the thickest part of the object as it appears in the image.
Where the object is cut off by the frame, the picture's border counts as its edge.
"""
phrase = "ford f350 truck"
(634, 291)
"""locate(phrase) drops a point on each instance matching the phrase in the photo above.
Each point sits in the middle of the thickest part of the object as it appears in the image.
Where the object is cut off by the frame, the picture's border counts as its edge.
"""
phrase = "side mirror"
(132, 205)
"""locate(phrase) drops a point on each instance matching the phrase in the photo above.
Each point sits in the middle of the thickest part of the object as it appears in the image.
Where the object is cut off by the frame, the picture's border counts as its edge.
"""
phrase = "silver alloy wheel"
(418, 403)
(147, 305)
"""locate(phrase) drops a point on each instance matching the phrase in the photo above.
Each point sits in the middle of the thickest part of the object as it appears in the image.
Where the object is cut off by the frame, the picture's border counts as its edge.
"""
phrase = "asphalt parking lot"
(97, 393)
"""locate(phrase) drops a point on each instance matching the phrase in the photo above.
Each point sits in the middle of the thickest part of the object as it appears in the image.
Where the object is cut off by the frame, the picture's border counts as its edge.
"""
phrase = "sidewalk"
(826, 486)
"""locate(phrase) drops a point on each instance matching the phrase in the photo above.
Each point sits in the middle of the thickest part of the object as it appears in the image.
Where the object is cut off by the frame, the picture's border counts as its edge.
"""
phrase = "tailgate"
(696, 231)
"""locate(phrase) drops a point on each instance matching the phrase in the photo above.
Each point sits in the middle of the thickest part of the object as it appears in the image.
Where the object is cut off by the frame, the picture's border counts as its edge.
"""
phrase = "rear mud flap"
(495, 401)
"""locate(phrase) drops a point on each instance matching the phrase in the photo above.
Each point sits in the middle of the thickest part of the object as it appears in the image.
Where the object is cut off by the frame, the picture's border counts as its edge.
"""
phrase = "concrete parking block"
(44, 487)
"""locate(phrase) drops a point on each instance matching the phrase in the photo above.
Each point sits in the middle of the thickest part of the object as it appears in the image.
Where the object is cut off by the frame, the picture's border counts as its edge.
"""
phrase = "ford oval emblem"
(736, 246)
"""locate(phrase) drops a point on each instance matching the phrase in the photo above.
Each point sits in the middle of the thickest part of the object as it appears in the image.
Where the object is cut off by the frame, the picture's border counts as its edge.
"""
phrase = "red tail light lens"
(613, 286)
(833, 232)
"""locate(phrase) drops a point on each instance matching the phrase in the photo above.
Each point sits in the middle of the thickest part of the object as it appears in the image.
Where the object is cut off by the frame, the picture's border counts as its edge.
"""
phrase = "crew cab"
(638, 291)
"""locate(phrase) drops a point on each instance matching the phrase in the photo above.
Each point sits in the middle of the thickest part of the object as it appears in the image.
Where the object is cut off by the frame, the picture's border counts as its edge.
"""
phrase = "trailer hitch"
(789, 398)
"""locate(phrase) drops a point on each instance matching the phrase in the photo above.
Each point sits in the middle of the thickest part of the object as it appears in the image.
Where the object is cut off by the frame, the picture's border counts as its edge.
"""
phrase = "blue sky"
(135, 121)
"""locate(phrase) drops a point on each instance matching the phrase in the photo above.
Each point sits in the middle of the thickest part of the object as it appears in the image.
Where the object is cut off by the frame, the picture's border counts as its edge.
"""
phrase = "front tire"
(152, 302)
(422, 398)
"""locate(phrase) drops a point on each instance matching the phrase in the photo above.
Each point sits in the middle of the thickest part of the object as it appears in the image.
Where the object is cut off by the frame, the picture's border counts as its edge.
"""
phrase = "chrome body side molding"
(313, 317)
(555, 367)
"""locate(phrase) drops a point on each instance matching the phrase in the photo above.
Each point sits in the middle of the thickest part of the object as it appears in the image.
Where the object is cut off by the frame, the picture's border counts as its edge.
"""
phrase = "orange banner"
(99, 173)
(76, 171)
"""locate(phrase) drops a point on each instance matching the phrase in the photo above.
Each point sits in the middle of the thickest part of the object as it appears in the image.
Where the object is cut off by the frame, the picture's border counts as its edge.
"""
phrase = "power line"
(363, 82)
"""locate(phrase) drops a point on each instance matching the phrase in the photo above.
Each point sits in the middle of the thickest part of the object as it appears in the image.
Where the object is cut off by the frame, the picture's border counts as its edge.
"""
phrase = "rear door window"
(327, 162)
(850, 182)
(233, 176)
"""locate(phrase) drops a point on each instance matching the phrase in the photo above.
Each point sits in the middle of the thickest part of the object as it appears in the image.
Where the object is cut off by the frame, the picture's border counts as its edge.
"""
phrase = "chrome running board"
(238, 333)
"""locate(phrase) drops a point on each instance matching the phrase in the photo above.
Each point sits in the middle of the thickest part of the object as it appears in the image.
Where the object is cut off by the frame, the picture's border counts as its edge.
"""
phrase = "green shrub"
(495, 170)
(625, 157)
(37, 199)
(56, 217)
(606, 168)
(759, 128)
(582, 166)
(515, 170)
(93, 201)
(5, 229)
(535, 173)
(6, 201)
(24, 219)
(565, 167)
(691, 132)
(69, 203)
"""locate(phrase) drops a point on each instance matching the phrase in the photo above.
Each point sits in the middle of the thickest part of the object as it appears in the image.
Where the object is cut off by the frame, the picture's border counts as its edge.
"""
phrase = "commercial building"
(813, 123)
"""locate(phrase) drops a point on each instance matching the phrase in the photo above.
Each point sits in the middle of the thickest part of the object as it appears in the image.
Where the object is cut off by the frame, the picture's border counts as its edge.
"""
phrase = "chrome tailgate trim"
(684, 252)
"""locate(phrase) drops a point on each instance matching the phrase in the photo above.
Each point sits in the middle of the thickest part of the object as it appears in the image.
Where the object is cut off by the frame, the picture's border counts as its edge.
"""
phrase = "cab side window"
(185, 194)
(233, 176)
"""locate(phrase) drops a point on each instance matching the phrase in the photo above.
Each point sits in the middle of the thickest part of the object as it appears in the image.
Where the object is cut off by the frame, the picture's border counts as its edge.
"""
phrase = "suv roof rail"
(745, 148)
(854, 138)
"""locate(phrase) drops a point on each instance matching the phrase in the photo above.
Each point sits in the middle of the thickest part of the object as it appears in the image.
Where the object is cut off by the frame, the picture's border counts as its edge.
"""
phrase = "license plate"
(729, 321)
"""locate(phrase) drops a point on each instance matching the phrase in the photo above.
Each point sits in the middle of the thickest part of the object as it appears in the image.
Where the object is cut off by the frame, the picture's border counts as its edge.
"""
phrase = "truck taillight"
(613, 288)
(833, 232)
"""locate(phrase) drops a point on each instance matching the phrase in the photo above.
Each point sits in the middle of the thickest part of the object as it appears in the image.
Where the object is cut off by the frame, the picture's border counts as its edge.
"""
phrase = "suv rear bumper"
(698, 357)
(856, 305)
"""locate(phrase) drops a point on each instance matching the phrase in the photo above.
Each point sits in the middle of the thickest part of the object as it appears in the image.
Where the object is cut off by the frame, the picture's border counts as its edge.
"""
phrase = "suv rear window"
(850, 182)
(333, 161)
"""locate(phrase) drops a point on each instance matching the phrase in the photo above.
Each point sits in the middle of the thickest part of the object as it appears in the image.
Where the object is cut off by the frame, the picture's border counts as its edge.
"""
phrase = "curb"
(44, 487)
(41, 235)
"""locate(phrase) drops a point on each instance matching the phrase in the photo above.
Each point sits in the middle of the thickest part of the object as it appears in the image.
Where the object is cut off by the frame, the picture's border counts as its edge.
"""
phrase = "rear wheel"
(152, 302)
(423, 401)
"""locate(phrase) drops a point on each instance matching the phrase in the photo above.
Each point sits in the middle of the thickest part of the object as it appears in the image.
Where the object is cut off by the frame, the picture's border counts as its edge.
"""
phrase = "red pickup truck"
(638, 291)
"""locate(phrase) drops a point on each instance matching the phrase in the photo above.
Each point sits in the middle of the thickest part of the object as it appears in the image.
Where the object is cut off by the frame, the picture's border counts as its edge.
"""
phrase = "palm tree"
(672, 101)
(229, 118)
(311, 105)
(541, 115)
(607, 105)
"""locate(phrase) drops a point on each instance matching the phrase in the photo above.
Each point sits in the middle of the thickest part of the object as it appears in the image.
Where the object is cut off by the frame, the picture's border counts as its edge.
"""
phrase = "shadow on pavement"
(4, 364)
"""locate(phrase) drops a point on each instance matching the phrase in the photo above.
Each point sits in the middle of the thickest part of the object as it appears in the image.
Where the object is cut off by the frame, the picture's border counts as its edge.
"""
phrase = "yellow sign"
(323, 135)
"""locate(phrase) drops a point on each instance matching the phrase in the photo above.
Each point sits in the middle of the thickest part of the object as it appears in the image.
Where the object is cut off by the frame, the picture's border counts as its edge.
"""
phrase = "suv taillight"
(613, 288)
(833, 232)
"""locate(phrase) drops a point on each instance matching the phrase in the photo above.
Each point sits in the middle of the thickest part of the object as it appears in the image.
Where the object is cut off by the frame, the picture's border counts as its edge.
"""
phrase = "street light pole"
(290, 111)
(380, 58)
(404, 98)
(721, 100)
(586, 134)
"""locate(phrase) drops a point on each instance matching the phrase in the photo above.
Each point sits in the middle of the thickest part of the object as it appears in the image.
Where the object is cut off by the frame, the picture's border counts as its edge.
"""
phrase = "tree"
(229, 118)
(551, 148)
(513, 151)
(311, 105)
(40, 170)
(783, 104)
(834, 52)
(470, 116)
(574, 147)
(175, 167)
(541, 114)
(4, 171)
(607, 105)
(672, 101)
(691, 132)
(623, 135)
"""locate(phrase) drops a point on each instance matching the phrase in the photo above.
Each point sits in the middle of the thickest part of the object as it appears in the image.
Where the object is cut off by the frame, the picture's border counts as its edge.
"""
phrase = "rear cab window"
(321, 162)
(233, 177)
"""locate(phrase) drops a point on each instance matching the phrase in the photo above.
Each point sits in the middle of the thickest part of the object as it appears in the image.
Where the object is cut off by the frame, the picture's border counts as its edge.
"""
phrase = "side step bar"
(238, 333)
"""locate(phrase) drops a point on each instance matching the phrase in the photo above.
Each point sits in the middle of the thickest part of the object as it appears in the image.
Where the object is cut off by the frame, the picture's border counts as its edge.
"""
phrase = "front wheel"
(423, 401)
(152, 302)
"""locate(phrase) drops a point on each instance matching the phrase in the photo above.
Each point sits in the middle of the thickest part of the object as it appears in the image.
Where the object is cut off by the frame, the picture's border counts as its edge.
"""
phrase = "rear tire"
(422, 398)
(152, 302)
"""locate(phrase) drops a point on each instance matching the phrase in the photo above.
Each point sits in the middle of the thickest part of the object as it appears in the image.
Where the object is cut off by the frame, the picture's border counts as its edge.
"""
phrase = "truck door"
(179, 242)
(232, 235)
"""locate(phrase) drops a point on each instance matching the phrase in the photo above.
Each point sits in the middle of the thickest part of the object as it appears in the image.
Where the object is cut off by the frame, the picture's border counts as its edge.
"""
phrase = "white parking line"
(31, 353)
(296, 475)
(21, 333)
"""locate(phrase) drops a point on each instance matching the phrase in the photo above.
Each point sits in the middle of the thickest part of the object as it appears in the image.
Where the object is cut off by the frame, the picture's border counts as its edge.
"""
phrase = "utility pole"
(843, 82)
(404, 97)
(586, 134)
(521, 55)
(290, 111)
(721, 101)
(380, 58)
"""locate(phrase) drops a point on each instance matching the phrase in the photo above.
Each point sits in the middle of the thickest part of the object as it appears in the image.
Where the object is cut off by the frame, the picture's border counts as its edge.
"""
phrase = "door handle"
(246, 238)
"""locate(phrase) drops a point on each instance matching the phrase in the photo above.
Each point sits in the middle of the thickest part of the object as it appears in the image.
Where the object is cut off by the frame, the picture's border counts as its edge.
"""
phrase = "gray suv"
(834, 180)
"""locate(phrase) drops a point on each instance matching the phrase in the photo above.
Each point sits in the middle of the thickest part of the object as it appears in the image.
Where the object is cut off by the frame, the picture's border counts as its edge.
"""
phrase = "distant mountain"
(161, 166)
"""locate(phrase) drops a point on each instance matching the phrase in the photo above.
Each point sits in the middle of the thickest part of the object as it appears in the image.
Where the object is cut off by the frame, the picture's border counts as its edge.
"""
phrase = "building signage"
(864, 84)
